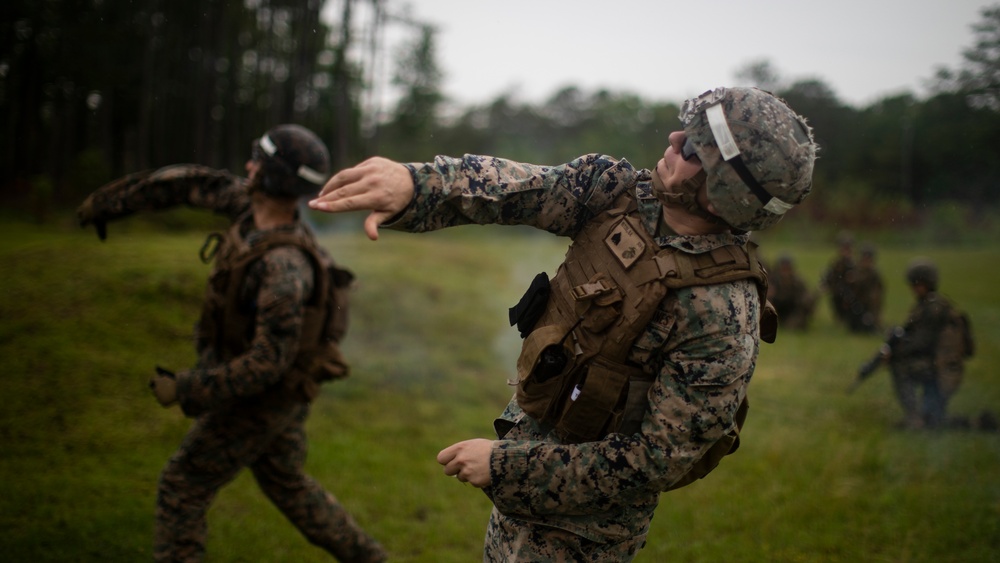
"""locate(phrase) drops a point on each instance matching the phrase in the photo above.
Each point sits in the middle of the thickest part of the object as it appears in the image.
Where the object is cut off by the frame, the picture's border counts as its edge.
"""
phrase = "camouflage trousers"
(269, 439)
(509, 540)
(919, 394)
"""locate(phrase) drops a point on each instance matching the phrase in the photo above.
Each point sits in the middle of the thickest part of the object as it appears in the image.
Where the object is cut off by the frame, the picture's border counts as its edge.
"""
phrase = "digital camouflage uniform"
(915, 374)
(245, 416)
(867, 290)
(837, 280)
(593, 501)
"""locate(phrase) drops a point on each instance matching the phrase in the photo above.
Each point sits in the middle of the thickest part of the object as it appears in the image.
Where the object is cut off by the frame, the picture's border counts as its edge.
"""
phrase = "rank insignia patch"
(625, 243)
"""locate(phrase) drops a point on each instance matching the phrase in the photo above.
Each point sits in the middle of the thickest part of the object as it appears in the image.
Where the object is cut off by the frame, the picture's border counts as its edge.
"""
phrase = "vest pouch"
(328, 363)
(313, 367)
(598, 303)
(532, 305)
(546, 359)
(595, 406)
(636, 405)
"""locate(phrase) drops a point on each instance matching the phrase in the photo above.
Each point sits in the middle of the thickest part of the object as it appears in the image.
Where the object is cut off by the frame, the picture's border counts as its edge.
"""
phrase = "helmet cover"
(294, 161)
(922, 270)
(758, 154)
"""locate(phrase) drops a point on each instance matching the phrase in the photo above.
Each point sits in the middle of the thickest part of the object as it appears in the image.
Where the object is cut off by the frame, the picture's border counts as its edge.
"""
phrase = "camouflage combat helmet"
(757, 153)
(294, 161)
(922, 270)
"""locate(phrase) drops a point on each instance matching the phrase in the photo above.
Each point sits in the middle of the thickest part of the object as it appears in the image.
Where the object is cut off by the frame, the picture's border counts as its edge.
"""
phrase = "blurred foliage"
(133, 84)
(93, 89)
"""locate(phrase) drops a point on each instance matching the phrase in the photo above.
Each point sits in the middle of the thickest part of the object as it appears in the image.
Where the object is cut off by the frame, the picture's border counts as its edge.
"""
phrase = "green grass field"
(821, 476)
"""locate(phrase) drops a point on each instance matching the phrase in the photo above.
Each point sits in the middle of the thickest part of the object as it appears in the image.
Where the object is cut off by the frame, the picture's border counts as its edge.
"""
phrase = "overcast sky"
(667, 50)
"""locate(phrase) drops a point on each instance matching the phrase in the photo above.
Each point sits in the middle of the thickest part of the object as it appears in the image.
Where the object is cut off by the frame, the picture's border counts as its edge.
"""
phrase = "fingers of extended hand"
(377, 184)
(341, 179)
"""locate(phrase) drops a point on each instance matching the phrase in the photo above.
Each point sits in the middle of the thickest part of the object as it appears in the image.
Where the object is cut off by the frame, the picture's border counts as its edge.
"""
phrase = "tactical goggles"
(688, 152)
(711, 103)
(265, 149)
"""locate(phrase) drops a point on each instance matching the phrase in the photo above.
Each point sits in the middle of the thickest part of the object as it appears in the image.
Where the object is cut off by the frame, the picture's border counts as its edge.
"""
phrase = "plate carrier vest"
(227, 324)
(602, 298)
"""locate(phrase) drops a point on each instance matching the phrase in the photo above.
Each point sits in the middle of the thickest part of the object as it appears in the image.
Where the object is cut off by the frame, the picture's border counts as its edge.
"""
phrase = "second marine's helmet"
(294, 161)
(922, 270)
(757, 154)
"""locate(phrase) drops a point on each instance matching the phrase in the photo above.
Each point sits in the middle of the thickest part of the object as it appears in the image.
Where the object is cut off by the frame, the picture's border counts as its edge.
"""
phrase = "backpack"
(324, 323)
(955, 344)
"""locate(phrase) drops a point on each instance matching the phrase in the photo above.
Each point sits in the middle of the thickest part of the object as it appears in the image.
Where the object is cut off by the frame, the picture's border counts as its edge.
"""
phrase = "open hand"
(378, 184)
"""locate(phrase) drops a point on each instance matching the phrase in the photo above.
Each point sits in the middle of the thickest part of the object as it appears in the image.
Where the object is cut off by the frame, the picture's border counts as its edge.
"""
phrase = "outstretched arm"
(477, 190)
(378, 184)
(183, 184)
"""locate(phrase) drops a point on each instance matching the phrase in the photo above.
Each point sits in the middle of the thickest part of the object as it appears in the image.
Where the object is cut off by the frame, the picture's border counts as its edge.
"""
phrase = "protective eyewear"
(688, 152)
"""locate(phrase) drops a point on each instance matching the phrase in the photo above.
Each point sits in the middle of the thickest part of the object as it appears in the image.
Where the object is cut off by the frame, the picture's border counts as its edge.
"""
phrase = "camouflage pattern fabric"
(594, 501)
(246, 417)
(915, 377)
(837, 281)
(867, 290)
(269, 438)
(183, 184)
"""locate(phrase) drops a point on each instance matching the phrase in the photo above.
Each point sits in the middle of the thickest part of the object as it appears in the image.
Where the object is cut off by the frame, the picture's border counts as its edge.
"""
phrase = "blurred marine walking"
(274, 310)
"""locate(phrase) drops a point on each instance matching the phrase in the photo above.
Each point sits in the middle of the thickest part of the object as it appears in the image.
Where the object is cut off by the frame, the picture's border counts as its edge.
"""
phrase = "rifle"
(883, 353)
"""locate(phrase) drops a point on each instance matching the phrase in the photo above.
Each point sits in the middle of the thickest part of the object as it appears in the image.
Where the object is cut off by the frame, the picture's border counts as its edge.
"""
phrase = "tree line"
(93, 89)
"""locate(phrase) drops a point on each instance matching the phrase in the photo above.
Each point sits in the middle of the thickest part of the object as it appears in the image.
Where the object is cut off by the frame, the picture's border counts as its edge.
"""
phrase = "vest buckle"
(590, 290)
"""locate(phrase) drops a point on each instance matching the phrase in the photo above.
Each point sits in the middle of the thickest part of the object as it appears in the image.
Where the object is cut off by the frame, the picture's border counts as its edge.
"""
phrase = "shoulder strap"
(274, 240)
(724, 264)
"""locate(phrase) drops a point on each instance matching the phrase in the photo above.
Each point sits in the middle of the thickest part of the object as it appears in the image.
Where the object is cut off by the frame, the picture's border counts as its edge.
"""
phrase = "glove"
(164, 386)
(97, 209)
(87, 216)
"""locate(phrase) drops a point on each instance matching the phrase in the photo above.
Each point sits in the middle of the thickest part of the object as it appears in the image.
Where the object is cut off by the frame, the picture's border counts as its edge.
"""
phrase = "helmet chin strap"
(686, 196)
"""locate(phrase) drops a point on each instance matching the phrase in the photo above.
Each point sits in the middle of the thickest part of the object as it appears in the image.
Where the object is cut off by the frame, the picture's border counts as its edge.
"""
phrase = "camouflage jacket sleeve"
(182, 184)
(487, 190)
(278, 287)
(703, 344)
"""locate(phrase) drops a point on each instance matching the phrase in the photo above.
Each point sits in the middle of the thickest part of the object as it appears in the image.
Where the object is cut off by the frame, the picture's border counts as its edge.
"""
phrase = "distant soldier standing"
(792, 299)
(867, 290)
(837, 279)
(273, 312)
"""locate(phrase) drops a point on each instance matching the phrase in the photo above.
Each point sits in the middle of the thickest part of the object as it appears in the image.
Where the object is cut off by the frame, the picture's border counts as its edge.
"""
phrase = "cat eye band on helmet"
(268, 147)
(731, 154)
(688, 152)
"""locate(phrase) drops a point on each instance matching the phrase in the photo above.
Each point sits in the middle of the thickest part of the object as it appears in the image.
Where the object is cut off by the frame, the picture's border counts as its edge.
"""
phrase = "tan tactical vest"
(227, 325)
(602, 298)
